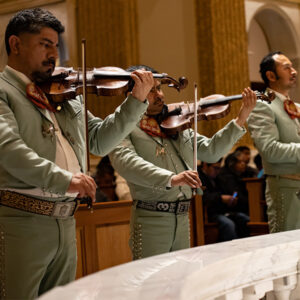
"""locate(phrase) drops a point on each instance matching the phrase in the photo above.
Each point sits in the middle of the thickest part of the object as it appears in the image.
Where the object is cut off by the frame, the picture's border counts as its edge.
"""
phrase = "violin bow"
(84, 108)
(195, 132)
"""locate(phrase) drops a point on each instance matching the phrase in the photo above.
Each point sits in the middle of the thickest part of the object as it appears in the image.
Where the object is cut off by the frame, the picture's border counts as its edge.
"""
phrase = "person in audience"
(258, 162)
(275, 129)
(158, 169)
(261, 175)
(221, 206)
(231, 181)
(105, 180)
(111, 185)
(249, 172)
(122, 188)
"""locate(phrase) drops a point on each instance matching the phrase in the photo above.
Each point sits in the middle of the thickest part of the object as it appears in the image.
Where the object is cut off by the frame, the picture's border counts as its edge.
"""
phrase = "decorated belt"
(176, 207)
(287, 176)
(54, 209)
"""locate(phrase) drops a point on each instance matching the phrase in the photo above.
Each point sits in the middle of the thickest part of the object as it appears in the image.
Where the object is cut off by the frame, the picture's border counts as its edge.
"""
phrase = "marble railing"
(261, 267)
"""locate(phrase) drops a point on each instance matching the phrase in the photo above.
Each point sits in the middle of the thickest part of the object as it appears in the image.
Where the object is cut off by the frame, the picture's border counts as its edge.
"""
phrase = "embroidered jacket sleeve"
(105, 135)
(212, 149)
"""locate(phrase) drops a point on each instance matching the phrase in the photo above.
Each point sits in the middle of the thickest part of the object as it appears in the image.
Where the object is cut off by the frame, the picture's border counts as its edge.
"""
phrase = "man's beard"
(39, 76)
(165, 113)
(162, 115)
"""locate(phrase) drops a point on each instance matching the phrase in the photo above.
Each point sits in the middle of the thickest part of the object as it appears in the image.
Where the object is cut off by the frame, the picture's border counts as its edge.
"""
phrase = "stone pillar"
(111, 32)
(222, 52)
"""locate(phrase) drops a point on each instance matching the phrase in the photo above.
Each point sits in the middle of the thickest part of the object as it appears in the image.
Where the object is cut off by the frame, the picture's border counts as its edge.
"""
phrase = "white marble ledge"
(240, 269)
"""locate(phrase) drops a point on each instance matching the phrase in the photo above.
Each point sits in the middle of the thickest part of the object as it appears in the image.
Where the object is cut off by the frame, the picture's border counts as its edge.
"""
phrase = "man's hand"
(84, 185)
(190, 178)
(249, 102)
(143, 83)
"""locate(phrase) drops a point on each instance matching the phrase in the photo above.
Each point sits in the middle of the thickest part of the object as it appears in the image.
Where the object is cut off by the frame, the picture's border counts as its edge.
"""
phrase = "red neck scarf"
(292, 109)
(151, 127)
(38, 97)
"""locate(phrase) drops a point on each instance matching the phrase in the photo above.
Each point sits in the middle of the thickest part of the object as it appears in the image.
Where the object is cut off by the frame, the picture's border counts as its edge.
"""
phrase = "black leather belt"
(37, 206)
(176, 207)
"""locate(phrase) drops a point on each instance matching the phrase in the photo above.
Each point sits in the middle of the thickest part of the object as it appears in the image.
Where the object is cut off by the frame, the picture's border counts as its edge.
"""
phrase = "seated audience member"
(261, 174)
(259, 166)
(221, 207)
(122, 188)
(105, 181)
(249, 171)
(230, 180)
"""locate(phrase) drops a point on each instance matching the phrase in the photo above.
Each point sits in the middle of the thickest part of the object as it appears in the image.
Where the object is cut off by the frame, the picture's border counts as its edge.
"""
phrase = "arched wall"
(272, 27)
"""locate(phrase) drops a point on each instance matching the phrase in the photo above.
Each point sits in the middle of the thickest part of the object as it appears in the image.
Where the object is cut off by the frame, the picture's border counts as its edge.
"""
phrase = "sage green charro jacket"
(147, 162)
(28, 146)
(276, 137)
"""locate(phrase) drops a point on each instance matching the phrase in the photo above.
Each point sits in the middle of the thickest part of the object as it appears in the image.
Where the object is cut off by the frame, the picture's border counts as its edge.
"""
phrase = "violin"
(66, 83)
(209, 108)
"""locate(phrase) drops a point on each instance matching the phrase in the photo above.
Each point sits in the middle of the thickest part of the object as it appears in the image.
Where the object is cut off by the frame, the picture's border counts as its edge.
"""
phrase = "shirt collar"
(20, 75)
(279, 95)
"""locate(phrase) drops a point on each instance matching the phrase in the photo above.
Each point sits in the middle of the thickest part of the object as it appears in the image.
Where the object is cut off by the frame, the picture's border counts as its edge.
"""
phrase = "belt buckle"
(63, 209)
(162, 206)
(182, 207)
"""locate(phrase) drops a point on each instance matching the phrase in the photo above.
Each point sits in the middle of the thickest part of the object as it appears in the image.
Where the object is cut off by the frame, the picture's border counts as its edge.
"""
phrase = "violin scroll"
(269, 97)
(178, 85)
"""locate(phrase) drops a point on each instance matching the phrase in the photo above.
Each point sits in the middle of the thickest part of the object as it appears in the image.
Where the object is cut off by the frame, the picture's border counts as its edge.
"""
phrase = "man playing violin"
(158, 169)
(275, 129)
(42, 159)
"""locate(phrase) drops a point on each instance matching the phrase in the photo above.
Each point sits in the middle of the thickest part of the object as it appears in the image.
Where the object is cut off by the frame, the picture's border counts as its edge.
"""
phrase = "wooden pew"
(197, 222)
(102, 236)
(258, 221)
(256, 199)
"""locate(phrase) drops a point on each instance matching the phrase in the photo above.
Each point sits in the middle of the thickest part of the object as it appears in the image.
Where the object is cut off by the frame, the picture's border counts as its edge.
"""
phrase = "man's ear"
(271, 76)
(14, 44)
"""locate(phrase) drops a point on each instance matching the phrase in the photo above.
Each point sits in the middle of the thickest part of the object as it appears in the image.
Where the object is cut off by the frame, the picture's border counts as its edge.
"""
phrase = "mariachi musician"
(41, 150)
(158, 168)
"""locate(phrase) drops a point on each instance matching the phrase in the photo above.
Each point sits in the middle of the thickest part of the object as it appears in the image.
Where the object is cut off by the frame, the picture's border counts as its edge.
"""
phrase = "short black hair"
(209, 164)
(138, 67)
(258, 161)
(232, 159)
(268, 64)
(31, 21)
(242, 148)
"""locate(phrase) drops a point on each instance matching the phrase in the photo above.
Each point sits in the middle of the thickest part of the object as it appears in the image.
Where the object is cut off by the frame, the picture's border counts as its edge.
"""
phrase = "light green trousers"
(283, 201)
(154, 233)
(37, 253)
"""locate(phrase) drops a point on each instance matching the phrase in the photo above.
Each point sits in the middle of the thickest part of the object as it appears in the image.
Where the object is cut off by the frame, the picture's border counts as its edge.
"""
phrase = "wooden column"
(111, 31)
(222, 52)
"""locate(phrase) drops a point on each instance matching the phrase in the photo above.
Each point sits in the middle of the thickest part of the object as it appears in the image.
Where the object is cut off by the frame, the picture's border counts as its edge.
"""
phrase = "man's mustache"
(49, 62)
(159, 100)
